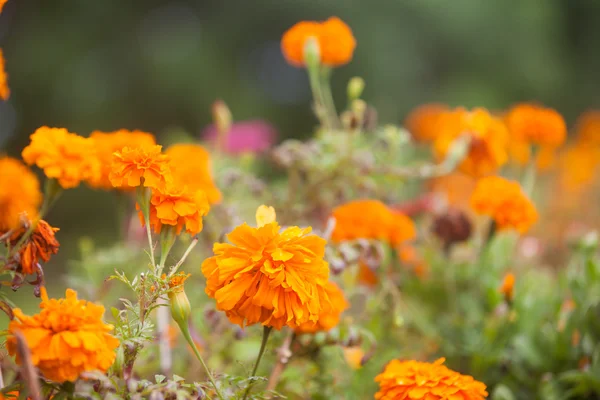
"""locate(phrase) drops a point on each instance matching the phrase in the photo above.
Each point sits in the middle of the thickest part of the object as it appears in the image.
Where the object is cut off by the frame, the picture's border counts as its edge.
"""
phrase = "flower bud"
(355, 88)
(180, 304)
(221, 116)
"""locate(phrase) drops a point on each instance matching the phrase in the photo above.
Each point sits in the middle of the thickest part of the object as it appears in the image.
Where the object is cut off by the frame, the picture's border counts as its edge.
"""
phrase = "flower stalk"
(266, 332)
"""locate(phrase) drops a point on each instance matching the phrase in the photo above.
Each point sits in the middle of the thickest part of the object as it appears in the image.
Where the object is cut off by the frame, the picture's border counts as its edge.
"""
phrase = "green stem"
(143, 200)
(266, 331)
(328, 97)
(185, 330)
(319, 104)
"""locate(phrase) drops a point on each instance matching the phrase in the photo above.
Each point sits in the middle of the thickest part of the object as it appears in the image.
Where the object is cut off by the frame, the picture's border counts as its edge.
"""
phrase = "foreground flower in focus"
(333, 303)
(505, 202)
(536, 125)
(268, 276)
(334, 37)
(107, 143)
(425, 122)
(67, 337)
(371, 219)
(40, 245)
(140, 166)
(190, 166)
(19, 193)
(489, 140)
(177, 206)
(4, 89)
(430, 381)
(64, 156)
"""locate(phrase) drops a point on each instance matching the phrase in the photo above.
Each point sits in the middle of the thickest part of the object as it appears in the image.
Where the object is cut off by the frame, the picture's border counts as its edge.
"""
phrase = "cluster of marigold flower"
(265, 274)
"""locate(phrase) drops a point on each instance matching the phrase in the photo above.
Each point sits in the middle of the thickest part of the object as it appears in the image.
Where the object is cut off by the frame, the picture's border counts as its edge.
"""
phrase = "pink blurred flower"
(253, 136)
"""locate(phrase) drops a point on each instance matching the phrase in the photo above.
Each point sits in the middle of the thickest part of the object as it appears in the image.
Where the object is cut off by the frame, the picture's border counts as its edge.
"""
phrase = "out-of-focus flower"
(489, 140)
(19, 193)
(425, 123)
(588, 128)
(579, 166)
(190, 166)
(134, 166)
(371, 219)
(507, 287)
(354, 356)
(4, 89)
(334, 37)
(268, 276)
(505, 202)
(456, 188)
(334, 303)
(177, 206)
(366, 276)
(40, 245)
(452, 227)
(64, 156)
(67, 337)
(520, 153)
(536, 125)
(244, 137)
(410, 258)
(107, 143)
(431, 381)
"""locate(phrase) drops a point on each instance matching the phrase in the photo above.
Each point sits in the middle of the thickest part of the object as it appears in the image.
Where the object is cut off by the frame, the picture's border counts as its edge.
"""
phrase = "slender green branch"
(266, 331)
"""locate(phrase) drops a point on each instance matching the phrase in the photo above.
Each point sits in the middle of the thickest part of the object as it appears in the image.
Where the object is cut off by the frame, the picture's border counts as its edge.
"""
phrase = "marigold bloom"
(366, 276)
(178, 207)
(505, 202)
(190, 165)
(579, 166)
(335, 39)
(4, 89)
(334, 303)
(489, 140)
(371, 219)
(142, 165)
(107, 143)
(19, 193)
(40, 245)
(269, 276)
(455, 188)
(588, 128)
(532, 124)
(67, 337)
(64, 156)
(507, 288)
(425, 122)
(430, 381)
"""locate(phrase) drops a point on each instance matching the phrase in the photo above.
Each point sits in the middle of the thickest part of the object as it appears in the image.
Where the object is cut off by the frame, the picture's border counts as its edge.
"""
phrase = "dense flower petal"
(140, 165)
(19, 193)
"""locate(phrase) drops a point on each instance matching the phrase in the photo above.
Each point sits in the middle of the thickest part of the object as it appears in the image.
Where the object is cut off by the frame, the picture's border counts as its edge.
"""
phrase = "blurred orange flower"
(588, 128)
(366, 276)
(190, 165)
(107, 143)
(489, 140)
(4, 89)
(177, 206)
(425, 122)
(64, 156)
(371, 219)
(431, 381)
(579, 166)
(456, 188)
(40, 245)
(140, 166)
(335, 39)
(334, 303)
(19, 193)
(505, 202)
(536, 125)
(507, 288)
(268, 276)
(66, 338)
(354, 356)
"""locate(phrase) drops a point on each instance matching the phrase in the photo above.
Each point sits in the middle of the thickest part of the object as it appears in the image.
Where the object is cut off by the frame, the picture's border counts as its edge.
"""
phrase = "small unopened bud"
(312, 52)
(223, 120)
(358, 108)
(180, 304)
(355, 88)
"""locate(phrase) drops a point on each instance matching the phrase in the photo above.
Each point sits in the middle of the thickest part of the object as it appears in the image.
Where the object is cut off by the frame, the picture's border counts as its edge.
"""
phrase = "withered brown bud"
(452, 227)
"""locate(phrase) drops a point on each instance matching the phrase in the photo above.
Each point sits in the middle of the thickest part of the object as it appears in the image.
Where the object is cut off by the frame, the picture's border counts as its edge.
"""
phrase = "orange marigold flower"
(190, 165)
(40, 245)
(431, 381)
(489, 140)
(19, 193)
(588, 128)
(334, 303)
(107, 143)
(507, 288)
(4, 89)
(335, 39)
(140, 166)
(425, 122)
(64, 156)
(67, 337)
(533, 124)
(455, 188)
(366, 276)
(371, 219)
(178, 207)
(505, 202)
(268, 276)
